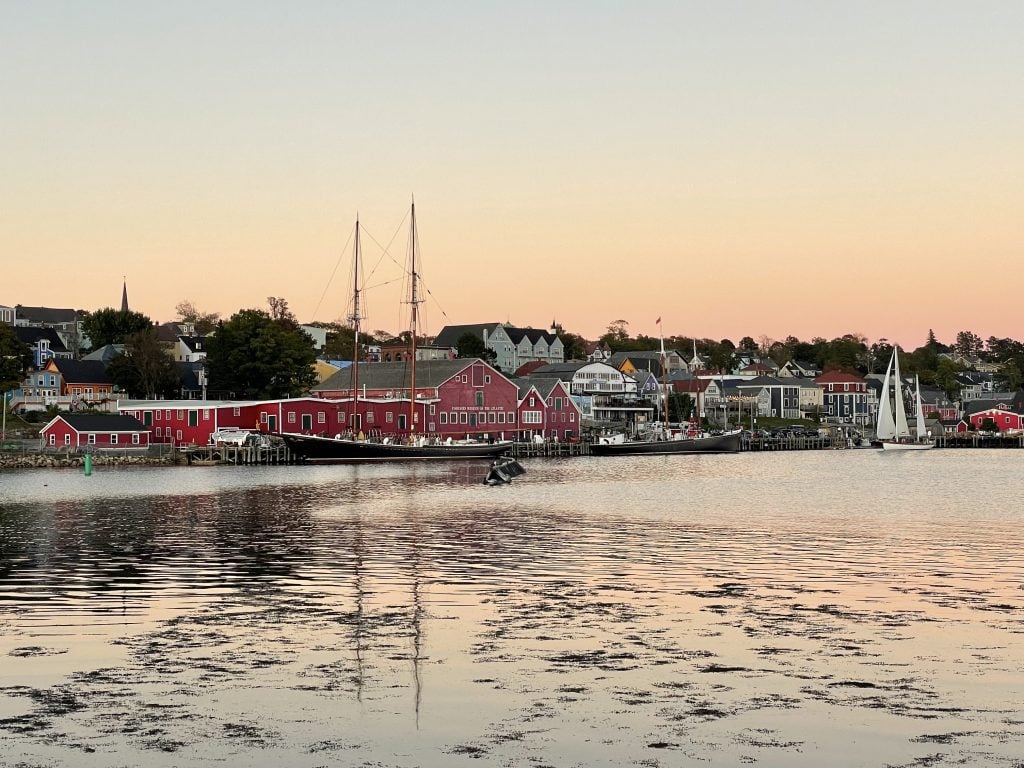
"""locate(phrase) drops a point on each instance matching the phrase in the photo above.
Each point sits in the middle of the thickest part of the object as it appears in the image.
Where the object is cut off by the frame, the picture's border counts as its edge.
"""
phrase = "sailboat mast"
(414, 299)
(664, 378)
(355, 319)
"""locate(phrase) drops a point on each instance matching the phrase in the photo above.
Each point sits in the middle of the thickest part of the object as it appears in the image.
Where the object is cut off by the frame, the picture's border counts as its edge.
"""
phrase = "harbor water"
(841, 608)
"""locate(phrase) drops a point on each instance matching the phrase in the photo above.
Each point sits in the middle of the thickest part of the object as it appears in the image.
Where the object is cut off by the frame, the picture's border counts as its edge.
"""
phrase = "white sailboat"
(892, 428)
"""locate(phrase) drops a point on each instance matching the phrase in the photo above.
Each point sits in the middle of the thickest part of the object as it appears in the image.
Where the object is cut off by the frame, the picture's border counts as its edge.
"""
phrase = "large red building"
(547, 410)
(83, 432)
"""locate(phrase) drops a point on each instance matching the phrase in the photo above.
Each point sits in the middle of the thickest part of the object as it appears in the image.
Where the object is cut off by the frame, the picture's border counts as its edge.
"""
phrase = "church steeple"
(124, 296)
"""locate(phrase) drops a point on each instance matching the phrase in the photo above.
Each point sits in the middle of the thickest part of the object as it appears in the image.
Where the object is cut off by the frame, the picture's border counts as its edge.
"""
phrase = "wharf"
(241, 455)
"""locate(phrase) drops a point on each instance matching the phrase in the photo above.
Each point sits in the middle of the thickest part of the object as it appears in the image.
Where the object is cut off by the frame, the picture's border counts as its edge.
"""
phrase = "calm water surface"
(843, 608)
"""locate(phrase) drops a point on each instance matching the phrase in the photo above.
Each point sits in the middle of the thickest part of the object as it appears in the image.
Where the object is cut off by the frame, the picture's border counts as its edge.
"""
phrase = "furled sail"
(902, 430)
(920, 428)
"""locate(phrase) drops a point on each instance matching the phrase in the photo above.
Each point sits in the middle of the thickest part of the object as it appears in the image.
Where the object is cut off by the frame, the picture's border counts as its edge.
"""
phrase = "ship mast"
(415, 301)
(355, 318)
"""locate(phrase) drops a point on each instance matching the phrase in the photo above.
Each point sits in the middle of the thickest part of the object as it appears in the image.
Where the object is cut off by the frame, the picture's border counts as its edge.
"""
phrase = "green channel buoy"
(88, 465)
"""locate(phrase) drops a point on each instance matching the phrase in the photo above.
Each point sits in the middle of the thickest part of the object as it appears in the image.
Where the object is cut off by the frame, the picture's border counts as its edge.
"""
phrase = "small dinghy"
(503, 470)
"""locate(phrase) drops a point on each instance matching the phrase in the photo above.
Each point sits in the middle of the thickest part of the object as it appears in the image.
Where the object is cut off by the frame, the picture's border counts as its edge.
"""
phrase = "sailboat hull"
(727, 443)
(330, 449)
(890, 446)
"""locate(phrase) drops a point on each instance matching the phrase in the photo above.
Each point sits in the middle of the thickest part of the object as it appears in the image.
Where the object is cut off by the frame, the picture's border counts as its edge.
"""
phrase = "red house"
(844, 396)
(95, 431)
(545, 409)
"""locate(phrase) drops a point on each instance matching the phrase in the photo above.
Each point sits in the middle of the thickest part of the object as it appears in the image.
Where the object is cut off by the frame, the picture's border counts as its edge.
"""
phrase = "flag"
(658, 321)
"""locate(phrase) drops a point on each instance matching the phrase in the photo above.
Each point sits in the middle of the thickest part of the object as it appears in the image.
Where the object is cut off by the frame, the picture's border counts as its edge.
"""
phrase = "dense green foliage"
(113, 326)
(15, 359)
(145, 370)
(254, 356)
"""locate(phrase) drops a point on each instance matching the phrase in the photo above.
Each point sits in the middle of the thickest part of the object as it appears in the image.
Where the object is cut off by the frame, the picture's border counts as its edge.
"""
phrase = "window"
(487, 379)
(92, 438)
(511, 417)
(831, 387)
(572, 416)
(113, 439)
(67, 438)
(369, 417)
(178, 434)
(431, 409)
(454, 418)
(180, 414)
(193, 418)
(237, 411)
(291, 417)
(479, 399)
(532, 402)
(492, 417)
(159, 431)
(463, 418)
(321, 417)
(501, 417)
(135, 438)
(167, 414)
(52, 440)
(341, 417)
(532, 417)
(846, 387)
(389, 417)
(444, 417)
(206, 415)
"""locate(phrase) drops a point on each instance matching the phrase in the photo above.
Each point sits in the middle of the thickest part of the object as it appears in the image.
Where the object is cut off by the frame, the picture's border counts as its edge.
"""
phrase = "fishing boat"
(405, 444)
(666, 440)
(662, 438)
(891, 430)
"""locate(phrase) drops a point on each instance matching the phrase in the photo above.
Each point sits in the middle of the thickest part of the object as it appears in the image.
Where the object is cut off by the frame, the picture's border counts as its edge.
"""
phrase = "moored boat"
(340, 449)
(725, 443)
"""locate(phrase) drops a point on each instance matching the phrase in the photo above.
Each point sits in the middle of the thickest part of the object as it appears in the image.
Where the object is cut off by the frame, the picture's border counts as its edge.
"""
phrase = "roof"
(533, 334)
(31, 336)
(690, 385)
(47, 315)
(429, 373)
(82, 371)
(544, 387)
(106, 353)
(101, 422)
(563, 371)
(450, 334)
(766, 381)
(527, 368)
(193, 343)
(838, 377)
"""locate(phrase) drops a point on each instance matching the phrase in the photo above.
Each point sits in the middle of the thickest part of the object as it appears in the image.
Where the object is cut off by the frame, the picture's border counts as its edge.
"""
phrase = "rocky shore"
(61, 460)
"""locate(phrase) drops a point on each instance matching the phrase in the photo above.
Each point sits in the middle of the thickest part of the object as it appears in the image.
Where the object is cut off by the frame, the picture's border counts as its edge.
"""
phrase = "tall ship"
(407, 442)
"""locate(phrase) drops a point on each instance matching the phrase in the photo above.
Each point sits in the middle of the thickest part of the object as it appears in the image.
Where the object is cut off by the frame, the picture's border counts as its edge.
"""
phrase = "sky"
(735, 168)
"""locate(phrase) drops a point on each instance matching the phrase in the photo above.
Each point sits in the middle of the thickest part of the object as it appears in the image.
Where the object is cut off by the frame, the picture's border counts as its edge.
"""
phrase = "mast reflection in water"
(785, 609)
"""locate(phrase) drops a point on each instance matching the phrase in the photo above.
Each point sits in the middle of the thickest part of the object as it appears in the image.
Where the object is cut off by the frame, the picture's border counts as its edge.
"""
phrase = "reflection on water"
(840, 608)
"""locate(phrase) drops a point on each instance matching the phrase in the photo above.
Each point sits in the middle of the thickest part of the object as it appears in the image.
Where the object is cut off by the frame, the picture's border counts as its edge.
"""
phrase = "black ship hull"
(313, 448)
(727, 443)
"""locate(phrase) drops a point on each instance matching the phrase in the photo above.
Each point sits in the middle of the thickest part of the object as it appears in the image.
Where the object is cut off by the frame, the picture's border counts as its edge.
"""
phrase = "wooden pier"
(239, 455)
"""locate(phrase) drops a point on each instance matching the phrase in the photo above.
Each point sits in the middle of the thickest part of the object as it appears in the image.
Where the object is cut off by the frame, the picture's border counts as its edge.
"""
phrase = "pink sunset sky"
(805, 168)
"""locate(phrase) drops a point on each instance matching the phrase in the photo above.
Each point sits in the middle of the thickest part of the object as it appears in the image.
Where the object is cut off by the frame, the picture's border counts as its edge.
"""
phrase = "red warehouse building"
(90, 431)
(546, 409)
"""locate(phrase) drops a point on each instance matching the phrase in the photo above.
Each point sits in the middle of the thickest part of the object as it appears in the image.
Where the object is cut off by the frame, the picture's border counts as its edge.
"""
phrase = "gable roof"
(429, 373)
(32, 336)
(101, 422)
(533, 334)
(527, 368)
(46, 315)
(450, 334)
(82, 371)
(106, 353)
(766, 381)
(563, 371)
(838, 377)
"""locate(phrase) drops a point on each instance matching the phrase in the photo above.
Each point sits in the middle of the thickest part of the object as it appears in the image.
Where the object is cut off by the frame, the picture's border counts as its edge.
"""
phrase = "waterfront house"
(844, 398)
(603, 393)
(647, 360)
(91, 431)
(779, 398)
(546, 409)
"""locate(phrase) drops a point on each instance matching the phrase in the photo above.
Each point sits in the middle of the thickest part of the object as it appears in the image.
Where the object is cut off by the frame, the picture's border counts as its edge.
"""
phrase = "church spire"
(124, 296)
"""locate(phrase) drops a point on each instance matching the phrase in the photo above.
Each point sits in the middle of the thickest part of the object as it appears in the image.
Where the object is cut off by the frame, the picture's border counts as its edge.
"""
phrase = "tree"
(202, 322)
(113, 326)
(680, 406)
(747, 344)
(471, 345)
(574, 345)
(721, 356)
(255, 356)
(15, 359)
(1010, 376)
(145, 369)
(280, 313)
